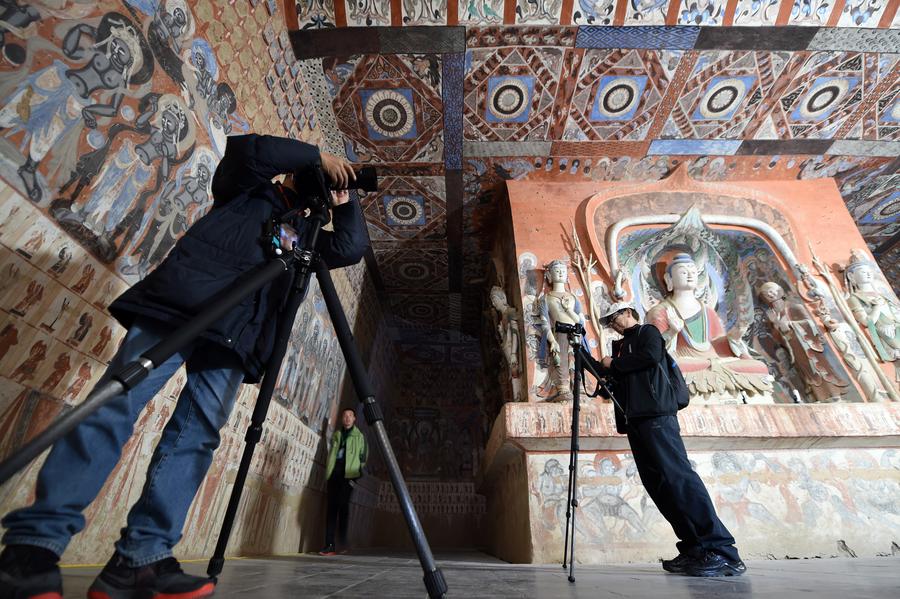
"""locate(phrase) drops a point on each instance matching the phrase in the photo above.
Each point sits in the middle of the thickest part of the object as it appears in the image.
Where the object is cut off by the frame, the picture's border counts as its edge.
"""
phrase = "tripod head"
(574, 332)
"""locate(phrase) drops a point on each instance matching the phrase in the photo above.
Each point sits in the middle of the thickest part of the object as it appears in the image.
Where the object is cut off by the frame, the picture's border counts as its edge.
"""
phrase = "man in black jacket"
(646, 410)
(208, 258)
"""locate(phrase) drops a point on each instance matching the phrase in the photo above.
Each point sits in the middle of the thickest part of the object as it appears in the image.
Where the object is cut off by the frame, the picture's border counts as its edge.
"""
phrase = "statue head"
(681, 274)
(556, 271)
(860, 271)
(770, 292)
(498, 298)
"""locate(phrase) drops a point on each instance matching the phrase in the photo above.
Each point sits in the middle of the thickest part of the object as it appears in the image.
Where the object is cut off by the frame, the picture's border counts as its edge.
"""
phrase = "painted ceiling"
(450, 100)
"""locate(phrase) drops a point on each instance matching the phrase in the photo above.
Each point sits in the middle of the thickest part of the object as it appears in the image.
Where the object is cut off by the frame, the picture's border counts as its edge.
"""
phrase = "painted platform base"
(787, 480)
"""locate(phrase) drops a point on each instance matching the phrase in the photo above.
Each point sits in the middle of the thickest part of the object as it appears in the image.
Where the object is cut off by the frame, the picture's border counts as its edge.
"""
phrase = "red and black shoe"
(160, 580)
(29, 573)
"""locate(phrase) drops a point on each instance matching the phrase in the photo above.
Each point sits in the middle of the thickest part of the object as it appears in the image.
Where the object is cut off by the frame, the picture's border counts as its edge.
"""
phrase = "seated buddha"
(714, 361)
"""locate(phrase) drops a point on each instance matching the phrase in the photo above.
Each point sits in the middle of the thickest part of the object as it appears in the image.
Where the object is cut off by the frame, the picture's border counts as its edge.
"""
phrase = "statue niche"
(715, 361)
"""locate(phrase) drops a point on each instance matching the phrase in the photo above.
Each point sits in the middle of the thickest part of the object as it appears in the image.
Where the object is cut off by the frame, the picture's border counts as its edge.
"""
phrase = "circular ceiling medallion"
(390, 113)
(404, 211)
(722, 98)
(509, 99)
(413, 271)
(823, 98)
(617, 98)
(422, 311)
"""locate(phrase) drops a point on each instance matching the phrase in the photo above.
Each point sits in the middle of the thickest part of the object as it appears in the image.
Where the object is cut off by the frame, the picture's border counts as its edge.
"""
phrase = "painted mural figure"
(33, 294)
(52, 105)
(712, 359)
(603, 499)
(171, 24)
(61, 367)
(205, 69)
(105, 336)
(876, 312)
(795, 331)
(64, 256)
(170, 219)
(558, 305)
(25, 371)
(15, 18)
(131, 168)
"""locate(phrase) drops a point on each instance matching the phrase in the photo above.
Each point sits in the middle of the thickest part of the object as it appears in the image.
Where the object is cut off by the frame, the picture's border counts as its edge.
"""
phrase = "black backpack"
(675, 378)
(676, 382)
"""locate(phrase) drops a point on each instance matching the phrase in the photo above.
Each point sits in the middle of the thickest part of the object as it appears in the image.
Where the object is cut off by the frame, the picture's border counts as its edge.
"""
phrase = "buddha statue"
(876, 312)
(714, 361)
(794, 330)
(558, 305)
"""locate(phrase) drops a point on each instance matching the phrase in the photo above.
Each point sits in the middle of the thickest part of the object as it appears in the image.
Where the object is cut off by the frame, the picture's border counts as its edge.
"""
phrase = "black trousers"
(339, 491)
(676, 489)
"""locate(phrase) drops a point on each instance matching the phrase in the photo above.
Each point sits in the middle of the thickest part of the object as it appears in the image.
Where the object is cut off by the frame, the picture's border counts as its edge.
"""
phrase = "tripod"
(575, 334)
(300, 263)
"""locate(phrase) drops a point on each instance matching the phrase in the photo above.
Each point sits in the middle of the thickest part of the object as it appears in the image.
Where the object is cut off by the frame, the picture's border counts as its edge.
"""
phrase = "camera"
(569, 329)
(366, 179)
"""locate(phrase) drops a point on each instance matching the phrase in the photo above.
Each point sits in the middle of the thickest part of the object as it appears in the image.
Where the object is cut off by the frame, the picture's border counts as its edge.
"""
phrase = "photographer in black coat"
(211, 255)
(645, 410)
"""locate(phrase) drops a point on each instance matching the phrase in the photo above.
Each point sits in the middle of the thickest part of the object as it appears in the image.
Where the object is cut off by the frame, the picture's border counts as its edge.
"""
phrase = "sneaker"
(714, 564)
(328, 550)
(678, 564)
(161, 579)
(28, 572)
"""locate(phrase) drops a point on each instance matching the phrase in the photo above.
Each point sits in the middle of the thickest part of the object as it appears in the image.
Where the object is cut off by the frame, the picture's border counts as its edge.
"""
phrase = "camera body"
(569, 329)
(307, 179)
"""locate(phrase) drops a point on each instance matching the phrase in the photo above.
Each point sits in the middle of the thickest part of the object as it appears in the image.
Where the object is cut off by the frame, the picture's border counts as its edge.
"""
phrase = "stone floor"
(475, 575)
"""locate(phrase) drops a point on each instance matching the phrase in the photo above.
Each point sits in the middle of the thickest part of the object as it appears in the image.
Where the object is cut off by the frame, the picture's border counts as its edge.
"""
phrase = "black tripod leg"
(434, 579)
(570, 499)
(254, 431)
(576, 410)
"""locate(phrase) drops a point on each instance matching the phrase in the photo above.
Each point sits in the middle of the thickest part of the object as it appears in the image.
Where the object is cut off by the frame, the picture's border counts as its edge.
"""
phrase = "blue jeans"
(80, 463)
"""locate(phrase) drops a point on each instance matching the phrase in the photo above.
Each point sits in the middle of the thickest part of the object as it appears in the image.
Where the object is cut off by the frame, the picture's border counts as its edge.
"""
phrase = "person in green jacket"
(346, 460)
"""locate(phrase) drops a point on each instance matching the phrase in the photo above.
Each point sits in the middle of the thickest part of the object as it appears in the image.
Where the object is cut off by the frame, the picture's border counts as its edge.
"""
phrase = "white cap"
(613, 309)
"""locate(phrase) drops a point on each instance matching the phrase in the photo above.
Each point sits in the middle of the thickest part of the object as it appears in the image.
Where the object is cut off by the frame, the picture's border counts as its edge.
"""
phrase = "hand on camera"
(606, 362)
(338, 170)
(339, 197)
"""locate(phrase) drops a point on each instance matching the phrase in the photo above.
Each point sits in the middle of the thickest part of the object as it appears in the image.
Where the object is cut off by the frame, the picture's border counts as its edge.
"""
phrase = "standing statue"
(507, 329)
(797, 333)
(714, 361)
(876, 312)
(558, 305)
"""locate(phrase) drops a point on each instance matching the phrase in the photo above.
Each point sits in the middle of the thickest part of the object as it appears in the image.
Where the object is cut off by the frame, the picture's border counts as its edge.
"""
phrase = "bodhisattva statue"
(714, 361)
(507, 329)
(558, 305)
(795, 331)
(878, 314)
